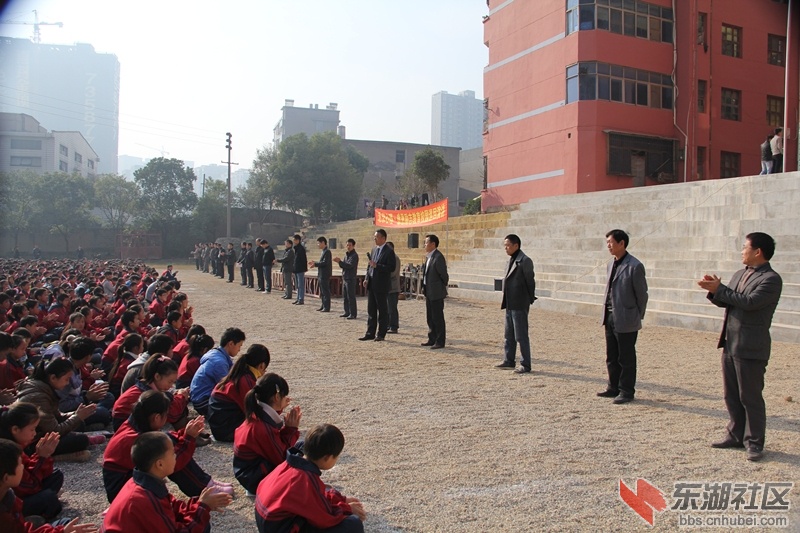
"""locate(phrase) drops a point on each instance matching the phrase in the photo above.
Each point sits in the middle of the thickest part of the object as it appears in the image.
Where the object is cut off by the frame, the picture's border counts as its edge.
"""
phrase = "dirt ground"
(443, 441)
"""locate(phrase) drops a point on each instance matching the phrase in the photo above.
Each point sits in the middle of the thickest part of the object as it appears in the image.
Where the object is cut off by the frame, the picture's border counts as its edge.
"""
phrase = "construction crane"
(37, 36)
(163, 153)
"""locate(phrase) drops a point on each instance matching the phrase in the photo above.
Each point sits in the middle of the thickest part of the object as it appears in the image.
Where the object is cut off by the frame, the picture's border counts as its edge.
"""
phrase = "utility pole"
(228, 146)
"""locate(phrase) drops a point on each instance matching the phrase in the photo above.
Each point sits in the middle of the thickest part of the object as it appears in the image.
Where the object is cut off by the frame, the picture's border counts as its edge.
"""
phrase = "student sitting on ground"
(199, 345)
(293, 497)
(160, 344)
(144, 505)
(261, 442)
(180, 350)
(214, 366)
(226, 406)
(131, 348)
(11, 514)
(40, 483)
(150, 414)
(83, 387)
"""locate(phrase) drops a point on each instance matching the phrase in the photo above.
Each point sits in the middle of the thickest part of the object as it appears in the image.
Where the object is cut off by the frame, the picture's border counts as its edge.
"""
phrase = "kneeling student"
(145, 504)
(294, 496)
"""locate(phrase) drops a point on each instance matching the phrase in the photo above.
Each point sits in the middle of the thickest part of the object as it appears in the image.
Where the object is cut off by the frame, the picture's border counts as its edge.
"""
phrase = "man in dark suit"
(269, 260)
(434, 287)
(349, 268)
(378, 282)
(227, 258)
(241, 260)
(249, 263)
(519, 292)
(287, 268)
(258, 254)
(300, 269)
(749, 301)
(324, 270)
(624, 305)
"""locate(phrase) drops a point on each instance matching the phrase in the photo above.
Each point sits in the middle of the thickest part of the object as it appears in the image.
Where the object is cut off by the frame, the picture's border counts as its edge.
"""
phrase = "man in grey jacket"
(624, 305)
(394, 294)
(519, 292)
(287, 268)
(749, 301)
(349, 268)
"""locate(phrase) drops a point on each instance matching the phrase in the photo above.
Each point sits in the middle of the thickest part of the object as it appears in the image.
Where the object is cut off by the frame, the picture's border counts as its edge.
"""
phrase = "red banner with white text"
(409, 218)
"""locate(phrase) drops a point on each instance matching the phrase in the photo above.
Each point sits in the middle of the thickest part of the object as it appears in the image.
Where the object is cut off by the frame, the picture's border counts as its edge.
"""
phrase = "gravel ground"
(443, 441)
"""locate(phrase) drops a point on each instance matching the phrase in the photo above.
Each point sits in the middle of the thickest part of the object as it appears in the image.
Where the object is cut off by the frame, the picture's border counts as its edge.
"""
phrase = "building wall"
(539, 142)
(308, 120)
(82, 83)
(456, 120)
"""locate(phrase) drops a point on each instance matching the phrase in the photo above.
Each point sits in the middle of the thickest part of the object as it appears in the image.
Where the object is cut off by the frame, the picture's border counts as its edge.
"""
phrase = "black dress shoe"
(437, 346)
(367, 338)
(505, 364)
(608, 393)
(321, 309)
(754, 453)
(392, 331)
(728, 442)
(522, 370)
(429, 343)
(351, 317)
(622, 398)
(286, 297)
(380, 339)
(344, 316)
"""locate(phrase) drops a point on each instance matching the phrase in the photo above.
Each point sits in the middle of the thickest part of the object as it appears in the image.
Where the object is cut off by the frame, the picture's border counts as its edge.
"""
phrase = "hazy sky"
(193, 70)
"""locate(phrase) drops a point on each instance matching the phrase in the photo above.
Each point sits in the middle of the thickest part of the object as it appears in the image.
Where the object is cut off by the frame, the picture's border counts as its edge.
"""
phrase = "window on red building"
(591, 80)
(731, 41)
(633, 18)
(776, 50)
(730, 165)
(774, 110)
(731, 104)
(701, 162)
(659, 154)
(701, 96)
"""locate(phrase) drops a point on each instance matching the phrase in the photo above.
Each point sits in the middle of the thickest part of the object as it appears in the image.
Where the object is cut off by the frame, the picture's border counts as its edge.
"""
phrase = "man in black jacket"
(287, 268)
(249, 263)
(259, 265)
(242, 269)
(378, 282)
(324, 270)
(269, 260)
(519, 289)
(349, 268)
(434, 285)
(300, 268)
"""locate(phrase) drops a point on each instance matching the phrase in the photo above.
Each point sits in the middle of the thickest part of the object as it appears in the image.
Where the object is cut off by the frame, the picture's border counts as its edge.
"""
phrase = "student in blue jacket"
(214, 366)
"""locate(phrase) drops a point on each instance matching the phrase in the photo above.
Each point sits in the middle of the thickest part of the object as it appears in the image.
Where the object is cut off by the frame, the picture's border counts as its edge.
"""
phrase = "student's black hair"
(159, 344)
(195, 329)
(158, 364)
(22, 333)
(16, 311)
(323, 240)
(256, 354)
(29, 320)
(56, 367)
(10, 452)
(265, 388)
(174, 316)
(38, 292)
(351, 241)
(66, 333)
(19, 414)
(173, 306)
(5, 341)
(763, 242)
(131, 340)
(619, 236)
(148, 448)
(128, 316)
(151, 402)
(199, 345)
(234, 335)
(324, 439)
(179, 297)
(81, 348)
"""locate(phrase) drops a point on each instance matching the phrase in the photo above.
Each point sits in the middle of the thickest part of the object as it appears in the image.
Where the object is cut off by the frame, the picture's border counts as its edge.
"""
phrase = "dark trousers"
(349, 297)
(45, 502)
(743, 384)
(249, 272)
(351, 524)
(191, 479)
(288, 278)
(230, 273)
(777, 163)
(243, 274)
(300, 285)
(268, 277)
(434, 311)
(620, 358)
(394, 318)
(516, 332)
(260, 277)
(72, 442)
(325, 293)
(378, 313)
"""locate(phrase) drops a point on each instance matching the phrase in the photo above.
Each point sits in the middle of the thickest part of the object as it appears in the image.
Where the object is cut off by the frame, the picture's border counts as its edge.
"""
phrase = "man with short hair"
(300, 268)
(519, 293)
(776, 145)
(324, 270)
(378, 282)
(394, 293)
(749, 301)
(624, 305)
(349, 268)
(258, 264)
(268, 261)
(434, 287)
(287, 269)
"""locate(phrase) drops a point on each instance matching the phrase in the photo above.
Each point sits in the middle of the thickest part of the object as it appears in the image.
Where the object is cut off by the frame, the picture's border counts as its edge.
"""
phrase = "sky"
(193, 70)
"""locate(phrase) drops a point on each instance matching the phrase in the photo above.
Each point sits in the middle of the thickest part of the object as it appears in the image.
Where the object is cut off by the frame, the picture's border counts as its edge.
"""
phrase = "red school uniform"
(14, 522)
(123, 407)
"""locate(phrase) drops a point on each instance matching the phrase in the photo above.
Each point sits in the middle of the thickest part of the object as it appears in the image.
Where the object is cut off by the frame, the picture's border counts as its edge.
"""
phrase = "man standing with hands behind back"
(519, 292)
(378, 282)
(434, 287)
(749, 301)
(623, 310)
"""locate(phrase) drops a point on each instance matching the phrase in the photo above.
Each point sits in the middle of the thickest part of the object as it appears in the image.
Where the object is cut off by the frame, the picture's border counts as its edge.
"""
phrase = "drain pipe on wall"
(675, 98)
(787, 132)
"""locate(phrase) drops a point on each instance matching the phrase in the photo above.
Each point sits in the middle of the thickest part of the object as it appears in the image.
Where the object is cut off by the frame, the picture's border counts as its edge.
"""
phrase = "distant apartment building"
(457, 120)
(588, 95)
(308, 120)
(239, 176)
(68, 88)
(26, 145)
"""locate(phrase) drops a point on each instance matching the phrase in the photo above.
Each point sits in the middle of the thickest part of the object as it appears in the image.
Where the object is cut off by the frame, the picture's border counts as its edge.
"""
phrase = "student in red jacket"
(293, 497)
(130, 323)
(12, 470)
(131, 348)
(226, 406)
(159, 373)
(172, 326)
(198, 346)
(40, 483)
(261, 442)
(158, 309)
(150, 414)
(12, 369)
(145, 505)
(180, 350)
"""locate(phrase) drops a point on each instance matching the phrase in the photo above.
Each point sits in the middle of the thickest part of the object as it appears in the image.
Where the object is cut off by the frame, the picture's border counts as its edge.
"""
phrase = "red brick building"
(589, 95)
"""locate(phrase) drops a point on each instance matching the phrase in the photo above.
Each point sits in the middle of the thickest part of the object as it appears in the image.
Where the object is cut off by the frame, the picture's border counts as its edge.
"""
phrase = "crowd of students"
(107, 353)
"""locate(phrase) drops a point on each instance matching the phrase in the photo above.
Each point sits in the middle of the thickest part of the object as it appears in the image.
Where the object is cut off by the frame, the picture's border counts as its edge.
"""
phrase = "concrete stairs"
(679, 231)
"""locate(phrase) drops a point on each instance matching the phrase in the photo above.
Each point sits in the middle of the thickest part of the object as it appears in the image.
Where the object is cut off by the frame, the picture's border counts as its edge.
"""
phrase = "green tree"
(257, 192)
(168, 196)
(65, 203)
(430, 168)
(19, 203)
(210, 213)
(117, 198)
(316, 175)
